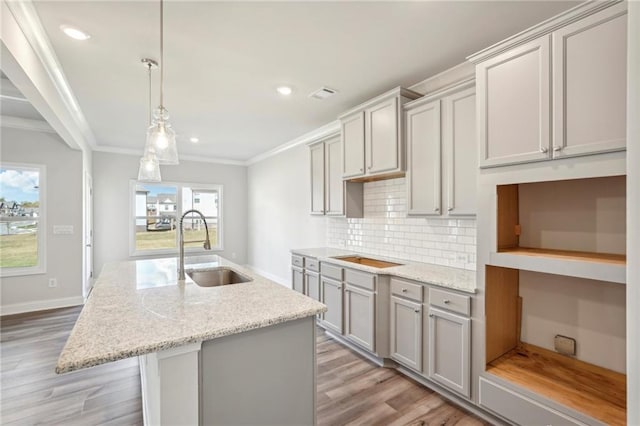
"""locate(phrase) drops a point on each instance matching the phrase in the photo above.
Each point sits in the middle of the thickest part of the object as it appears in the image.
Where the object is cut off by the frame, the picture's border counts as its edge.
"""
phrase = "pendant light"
(161, 138)
(149, 170)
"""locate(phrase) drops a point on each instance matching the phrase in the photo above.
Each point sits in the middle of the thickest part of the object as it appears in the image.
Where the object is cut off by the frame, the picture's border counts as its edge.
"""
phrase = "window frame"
(204, 187)
(41, 266)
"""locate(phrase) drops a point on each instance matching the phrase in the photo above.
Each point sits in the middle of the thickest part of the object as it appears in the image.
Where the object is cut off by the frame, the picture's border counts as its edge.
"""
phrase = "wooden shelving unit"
(595, 266)
(589, 389)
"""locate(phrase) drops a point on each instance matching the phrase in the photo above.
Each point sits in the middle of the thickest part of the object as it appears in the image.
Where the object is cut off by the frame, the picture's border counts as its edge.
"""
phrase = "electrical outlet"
(564, 345)
(53, 282)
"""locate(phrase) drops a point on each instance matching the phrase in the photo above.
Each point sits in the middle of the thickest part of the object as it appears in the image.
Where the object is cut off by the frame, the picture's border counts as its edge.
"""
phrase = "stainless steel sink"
(217, 277)
(367, 261)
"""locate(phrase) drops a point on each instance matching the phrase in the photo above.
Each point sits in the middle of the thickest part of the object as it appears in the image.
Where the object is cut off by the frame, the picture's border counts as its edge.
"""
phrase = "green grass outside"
(152, 240)
(18, 250)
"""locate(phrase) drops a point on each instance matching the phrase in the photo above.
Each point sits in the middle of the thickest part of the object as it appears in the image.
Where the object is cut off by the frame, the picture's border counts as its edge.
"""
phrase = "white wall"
(64, 177)
(279, 219)
(112, 174)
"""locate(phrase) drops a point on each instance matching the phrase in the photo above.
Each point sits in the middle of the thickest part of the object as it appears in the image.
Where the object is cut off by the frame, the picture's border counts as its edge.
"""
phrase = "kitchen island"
(240, 353)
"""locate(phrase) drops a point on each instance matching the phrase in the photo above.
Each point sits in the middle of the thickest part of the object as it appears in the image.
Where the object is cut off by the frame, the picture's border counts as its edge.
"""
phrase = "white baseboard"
(41, 305)
(269, 275)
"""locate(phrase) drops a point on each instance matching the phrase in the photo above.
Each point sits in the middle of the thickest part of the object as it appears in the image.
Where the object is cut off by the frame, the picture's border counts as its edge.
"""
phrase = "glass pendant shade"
(161, 139)
(149, 170)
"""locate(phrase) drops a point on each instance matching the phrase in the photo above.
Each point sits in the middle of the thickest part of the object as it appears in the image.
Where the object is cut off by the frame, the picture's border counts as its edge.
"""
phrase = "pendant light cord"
(150, 108)
(161, 53)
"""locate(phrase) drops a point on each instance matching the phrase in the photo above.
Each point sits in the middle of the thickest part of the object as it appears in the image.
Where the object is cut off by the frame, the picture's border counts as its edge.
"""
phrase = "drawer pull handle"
(431, 315)
(446, 301)
(417, 311)
(557, 148)
(404, 290)
(544, 149)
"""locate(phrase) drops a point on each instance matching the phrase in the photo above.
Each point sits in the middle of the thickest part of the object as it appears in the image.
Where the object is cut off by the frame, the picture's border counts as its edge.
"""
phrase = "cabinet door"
(331, 295)
(334, 204)
(461, 159)
(313, 285)
(317, 178)
(353, 145)
(513, 105)
(449, 350)
(359, 315)
(423, 174)
(382, 145)
(590, 78)
(406, 332)
(297, 279)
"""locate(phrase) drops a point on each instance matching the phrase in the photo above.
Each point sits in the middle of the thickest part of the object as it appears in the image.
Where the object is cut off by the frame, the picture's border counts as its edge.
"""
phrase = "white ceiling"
(225, 59)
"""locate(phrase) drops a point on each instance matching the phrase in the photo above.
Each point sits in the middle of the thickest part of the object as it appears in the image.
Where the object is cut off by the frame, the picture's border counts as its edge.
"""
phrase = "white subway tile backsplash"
(386, 230)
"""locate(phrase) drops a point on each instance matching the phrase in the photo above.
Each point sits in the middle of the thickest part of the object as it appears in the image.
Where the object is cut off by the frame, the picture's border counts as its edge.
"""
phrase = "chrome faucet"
(207, 243)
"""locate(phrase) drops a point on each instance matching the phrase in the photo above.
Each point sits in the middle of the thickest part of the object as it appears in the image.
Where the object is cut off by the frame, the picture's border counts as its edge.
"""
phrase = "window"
(22, 219)
(157, 211)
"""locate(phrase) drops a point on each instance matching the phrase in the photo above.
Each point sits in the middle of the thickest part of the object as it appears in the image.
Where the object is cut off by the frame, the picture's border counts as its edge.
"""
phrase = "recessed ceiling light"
(194, 140)
(74, 33)
(284, 90)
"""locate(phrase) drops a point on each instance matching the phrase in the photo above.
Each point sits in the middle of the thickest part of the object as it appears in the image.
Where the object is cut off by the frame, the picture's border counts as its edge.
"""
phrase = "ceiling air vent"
(323, 93)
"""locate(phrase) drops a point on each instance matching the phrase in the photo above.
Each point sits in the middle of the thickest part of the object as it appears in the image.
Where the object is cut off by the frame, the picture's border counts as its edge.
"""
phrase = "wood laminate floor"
(351, 390)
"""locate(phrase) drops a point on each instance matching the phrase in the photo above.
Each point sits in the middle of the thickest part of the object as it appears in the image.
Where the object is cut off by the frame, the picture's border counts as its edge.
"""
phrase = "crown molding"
(322, 132)
(196, 158)
(26, 124)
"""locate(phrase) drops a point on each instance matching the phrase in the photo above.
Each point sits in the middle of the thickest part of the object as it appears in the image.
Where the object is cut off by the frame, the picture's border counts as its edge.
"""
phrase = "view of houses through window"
(158, 208)
(20, 217)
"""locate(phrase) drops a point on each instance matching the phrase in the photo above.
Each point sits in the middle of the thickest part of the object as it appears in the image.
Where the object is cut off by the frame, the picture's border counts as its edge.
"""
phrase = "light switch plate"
(63, 229)
(564, 345)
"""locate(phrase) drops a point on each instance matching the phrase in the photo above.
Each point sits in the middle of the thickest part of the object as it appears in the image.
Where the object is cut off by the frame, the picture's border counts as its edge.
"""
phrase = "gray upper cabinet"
(556, 91)
(353, 145)
(317, 179)
(372, 142)
(590, 84)
(330, 195)
(513, 105)
(423, 143)
(459, 152)
(334, 194)
(441, 152)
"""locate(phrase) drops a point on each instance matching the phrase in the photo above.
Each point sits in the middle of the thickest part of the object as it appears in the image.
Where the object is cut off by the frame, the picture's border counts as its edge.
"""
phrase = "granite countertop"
(442, 276)
(139, 307)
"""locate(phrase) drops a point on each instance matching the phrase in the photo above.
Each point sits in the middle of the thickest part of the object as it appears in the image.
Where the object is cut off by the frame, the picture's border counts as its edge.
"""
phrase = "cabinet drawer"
(297, 261)
(361, 279)
(311, 263)
(519, 409)
(406, 289)
(331, 271)
(450, 301)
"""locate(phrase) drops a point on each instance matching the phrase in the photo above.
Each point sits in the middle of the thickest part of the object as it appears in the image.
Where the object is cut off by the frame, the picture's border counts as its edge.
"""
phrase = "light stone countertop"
(139, 307)
(442, 276)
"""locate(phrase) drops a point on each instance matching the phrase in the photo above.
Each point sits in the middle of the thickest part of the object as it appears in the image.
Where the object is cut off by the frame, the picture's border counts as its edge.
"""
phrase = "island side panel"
(264, 376)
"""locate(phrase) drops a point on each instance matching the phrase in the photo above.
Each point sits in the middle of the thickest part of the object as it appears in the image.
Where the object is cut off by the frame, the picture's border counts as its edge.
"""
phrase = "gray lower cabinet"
(331, 295)
(313, 284)
(360, 316)
(406, 332)
(297, 279)
(450, 350)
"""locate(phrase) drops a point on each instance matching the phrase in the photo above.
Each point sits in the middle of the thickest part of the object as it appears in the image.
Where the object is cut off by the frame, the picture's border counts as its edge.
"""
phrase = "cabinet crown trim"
(545, 27)
(398, 91)
(441, 93)
(324, 138)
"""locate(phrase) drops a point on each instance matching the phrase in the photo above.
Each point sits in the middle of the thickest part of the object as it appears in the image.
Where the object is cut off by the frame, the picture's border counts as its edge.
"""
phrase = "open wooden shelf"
(595, 266)
(587, 388)
(615, 259)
